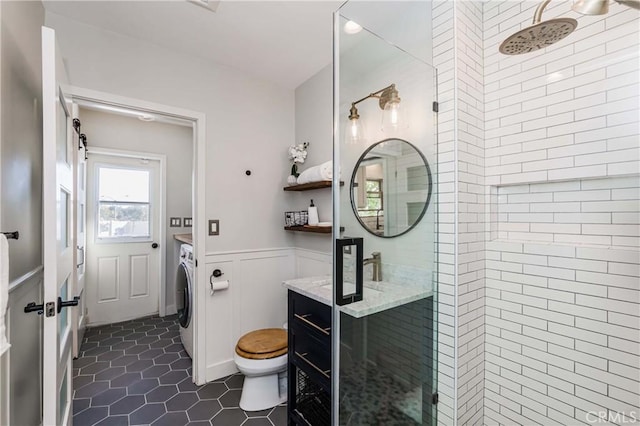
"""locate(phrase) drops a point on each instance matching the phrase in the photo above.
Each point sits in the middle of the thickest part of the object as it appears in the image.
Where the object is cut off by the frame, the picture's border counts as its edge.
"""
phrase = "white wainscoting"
(255, 299)
(311, 263)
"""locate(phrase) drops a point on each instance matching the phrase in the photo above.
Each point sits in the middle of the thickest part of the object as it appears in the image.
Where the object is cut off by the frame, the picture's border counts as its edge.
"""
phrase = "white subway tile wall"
(472, 224)
(601, 211)
(457, 47)
(562, 139)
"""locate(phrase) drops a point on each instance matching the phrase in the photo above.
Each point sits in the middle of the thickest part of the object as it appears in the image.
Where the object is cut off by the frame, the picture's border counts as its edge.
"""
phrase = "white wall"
(113, 131)
(249, 123)
(21, 204)
(562, 156)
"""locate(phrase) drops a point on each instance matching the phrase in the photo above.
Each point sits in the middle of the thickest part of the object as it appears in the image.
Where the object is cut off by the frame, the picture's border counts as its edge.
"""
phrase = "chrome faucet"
(376, 260)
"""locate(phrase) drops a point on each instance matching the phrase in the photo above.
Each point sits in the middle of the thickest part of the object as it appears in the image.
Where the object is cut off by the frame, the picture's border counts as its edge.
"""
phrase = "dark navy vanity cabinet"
(309, 368)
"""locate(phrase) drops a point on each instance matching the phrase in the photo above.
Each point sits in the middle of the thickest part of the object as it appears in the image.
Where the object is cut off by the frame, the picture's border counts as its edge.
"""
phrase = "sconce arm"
(378, 94)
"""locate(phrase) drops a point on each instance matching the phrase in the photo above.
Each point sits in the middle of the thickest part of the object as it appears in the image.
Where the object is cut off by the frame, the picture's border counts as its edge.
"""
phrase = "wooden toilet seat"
(263, 344)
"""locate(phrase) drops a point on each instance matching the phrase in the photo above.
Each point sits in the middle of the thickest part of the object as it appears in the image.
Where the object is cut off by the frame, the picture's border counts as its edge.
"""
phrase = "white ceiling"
(285, 42)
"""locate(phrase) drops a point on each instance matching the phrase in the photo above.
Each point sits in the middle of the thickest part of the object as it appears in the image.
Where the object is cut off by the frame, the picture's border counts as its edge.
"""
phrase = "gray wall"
(126, 133)
(21, 197)
(314, 124)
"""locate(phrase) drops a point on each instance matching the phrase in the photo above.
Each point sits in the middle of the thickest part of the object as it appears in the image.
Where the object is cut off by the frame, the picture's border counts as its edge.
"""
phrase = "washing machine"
(184, 296)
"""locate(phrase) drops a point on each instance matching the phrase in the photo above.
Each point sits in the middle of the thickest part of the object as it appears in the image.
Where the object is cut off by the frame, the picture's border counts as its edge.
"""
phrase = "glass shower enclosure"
(385, 218)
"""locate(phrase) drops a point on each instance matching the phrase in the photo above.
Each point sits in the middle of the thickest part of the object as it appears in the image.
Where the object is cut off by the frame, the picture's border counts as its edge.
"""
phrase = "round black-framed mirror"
(390, 188)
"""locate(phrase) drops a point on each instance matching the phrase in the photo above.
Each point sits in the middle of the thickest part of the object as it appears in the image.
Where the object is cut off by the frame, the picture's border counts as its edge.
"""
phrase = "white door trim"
(198, 121)
(162, 159)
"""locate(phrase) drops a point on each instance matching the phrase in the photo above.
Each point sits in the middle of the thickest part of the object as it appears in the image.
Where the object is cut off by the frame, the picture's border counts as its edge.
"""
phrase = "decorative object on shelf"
(296, 218)
(319, 173)
(297, 153)
(313, 214)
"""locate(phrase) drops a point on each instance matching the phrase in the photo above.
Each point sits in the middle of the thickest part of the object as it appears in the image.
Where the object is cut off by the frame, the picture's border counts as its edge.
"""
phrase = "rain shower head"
(538, 35)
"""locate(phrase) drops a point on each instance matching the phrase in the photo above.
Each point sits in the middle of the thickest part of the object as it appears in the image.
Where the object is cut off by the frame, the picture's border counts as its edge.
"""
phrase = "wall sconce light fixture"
(389, 102)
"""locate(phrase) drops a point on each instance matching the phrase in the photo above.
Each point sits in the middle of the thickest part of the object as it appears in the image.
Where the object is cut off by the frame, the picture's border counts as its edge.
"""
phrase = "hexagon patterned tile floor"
(137, 373)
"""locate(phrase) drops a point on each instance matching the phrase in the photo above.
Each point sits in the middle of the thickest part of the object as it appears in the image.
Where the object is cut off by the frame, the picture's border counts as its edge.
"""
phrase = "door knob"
(154, 245)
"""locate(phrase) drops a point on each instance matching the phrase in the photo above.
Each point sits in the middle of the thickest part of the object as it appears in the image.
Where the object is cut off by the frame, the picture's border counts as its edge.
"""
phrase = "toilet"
(261, 356)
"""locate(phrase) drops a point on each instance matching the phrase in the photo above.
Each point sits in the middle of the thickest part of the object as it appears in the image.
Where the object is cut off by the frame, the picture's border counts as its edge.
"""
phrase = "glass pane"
(62, 399)
(81, 219)
(63, 318)
(385, 369)
(61, 137)
(123, 220)
(63, 218)
(81, 176)
(126, 185)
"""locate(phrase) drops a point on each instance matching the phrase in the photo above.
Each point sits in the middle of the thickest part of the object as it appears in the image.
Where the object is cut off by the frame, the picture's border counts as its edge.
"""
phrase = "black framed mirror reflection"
(391, 188)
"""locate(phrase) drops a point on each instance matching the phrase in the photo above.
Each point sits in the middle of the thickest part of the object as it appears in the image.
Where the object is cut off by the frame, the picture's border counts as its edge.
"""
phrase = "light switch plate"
(214, 227)
(175, 222)
(187, 221)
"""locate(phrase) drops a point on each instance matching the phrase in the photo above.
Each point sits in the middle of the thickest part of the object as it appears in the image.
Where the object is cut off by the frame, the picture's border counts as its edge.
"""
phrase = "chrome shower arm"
(537, 17)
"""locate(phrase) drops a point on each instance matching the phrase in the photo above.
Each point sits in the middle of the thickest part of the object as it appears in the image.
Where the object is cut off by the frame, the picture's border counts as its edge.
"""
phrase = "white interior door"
(80, 215)
(58, 235)
(123, 229)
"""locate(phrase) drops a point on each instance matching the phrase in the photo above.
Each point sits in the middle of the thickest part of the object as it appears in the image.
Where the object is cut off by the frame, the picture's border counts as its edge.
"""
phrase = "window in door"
(124, 204)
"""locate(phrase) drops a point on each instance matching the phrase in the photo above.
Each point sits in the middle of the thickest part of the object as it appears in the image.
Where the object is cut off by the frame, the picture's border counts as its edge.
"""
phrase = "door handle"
(154, 245)
(341, 245)
(80, 250)
(67, 303)
(32, 307)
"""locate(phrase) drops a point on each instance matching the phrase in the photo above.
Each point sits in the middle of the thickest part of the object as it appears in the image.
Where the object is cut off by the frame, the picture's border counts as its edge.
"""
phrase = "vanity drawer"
(310, 315)
(312, 358)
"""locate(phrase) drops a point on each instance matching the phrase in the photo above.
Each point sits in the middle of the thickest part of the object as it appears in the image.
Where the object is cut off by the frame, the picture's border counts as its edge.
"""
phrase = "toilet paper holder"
(218, 285)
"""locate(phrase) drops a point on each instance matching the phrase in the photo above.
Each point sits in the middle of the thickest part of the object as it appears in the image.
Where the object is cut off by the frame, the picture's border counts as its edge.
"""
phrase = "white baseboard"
(220, 370)
(171, 309)
(126, 318)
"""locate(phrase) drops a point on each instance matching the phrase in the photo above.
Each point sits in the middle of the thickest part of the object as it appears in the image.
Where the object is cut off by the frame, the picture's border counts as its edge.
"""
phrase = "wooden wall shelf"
(314, 229)
(311, 185)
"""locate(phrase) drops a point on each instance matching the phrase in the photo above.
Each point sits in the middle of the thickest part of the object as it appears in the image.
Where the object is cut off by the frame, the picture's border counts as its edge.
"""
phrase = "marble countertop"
(378, 295)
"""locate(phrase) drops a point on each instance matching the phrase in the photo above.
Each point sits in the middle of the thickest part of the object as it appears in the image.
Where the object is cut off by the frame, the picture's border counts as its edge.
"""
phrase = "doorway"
(194, 165)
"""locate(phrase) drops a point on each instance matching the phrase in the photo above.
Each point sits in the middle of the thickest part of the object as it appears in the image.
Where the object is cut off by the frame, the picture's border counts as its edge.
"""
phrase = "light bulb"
(352, 27)
(354, 132)
(391, 117)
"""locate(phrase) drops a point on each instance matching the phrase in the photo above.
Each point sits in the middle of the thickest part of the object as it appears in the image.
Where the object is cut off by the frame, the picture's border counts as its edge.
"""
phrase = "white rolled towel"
(317, 173)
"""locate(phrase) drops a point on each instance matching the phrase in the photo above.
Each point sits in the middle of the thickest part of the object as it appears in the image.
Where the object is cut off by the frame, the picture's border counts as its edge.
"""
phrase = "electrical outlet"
(175, 222)
(214, 227)
(187, 221)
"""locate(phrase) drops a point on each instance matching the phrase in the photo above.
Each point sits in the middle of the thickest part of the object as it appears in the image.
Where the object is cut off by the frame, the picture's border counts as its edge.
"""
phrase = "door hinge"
(435, 398)
(50, 309)
(436, 106)
(196, 263)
